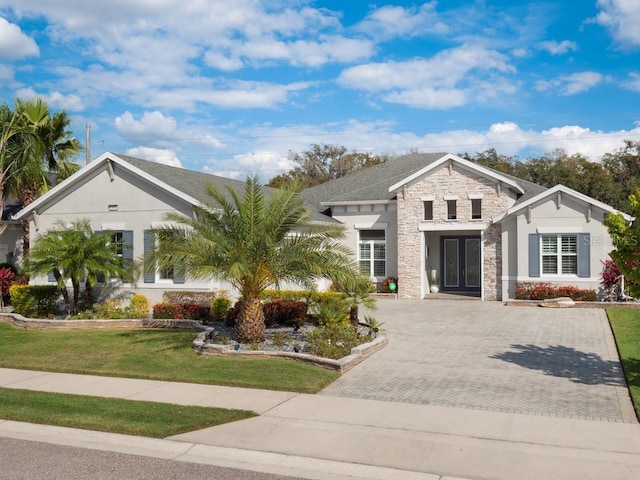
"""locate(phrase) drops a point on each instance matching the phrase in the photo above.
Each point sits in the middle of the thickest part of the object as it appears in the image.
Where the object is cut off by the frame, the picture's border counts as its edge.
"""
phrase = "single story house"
(423, 218)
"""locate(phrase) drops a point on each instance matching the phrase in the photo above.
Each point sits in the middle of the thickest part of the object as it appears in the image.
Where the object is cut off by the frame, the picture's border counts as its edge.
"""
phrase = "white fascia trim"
(370, 226)
(561, 188)
(464, 163)
(86, 170)
(429, 226)
(333, 203)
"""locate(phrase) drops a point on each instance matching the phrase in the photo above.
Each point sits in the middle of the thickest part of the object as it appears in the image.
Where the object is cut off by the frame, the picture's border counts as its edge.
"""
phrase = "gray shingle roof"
(373, 183)
(195, 183)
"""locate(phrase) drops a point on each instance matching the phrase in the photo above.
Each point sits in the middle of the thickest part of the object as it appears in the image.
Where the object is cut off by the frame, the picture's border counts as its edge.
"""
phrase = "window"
(372, 253)
(559, 254)
(451, 210)
(117, 242)
(476, 208)
(428, 210)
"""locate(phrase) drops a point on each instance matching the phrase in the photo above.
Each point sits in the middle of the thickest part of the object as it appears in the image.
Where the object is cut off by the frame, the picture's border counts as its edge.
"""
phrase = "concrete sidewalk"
(311, 436)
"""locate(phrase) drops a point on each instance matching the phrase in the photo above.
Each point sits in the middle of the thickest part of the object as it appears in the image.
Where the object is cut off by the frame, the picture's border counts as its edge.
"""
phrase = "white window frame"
(372, 260)
(558, 254)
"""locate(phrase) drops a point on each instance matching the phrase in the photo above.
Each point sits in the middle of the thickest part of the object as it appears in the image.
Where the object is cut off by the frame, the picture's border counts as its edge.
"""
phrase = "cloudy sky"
(229, 87)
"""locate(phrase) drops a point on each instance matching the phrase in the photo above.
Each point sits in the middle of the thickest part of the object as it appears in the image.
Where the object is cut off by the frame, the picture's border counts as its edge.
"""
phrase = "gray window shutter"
(127, 248)
(51, 277)
(584, 255)
(149, 245)
(178, 275)
(534, 255)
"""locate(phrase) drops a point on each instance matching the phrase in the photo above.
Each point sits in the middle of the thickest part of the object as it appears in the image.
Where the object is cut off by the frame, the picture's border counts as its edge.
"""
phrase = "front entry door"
(460, 264)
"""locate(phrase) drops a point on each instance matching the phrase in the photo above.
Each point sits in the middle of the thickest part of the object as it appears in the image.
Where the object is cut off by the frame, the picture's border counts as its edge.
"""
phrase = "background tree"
(74, 252)
(254, 243)
(626, 240)
(323, 163)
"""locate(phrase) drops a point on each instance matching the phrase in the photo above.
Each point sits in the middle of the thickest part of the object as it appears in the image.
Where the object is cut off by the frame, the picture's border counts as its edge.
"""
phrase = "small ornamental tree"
(625, 236)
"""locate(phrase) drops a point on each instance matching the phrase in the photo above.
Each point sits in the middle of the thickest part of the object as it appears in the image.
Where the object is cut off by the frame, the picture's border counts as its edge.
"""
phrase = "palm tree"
(19, 142)
(254, 243)
(358, 290)
(75, 253)
(53, 157)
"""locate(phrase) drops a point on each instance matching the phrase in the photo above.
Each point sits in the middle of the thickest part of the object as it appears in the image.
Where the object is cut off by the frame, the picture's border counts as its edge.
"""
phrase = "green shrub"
(34, 301)
(220, 306)
(138, 307)
(188, 311)
(109, 310)
(333, 340)
(285, 312)
(543, 291)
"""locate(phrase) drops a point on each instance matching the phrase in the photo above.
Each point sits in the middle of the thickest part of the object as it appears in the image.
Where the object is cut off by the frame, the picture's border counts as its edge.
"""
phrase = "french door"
(460, 264)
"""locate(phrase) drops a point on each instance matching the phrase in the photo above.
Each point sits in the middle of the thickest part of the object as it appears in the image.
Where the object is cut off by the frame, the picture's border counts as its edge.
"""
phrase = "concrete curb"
(266, 462)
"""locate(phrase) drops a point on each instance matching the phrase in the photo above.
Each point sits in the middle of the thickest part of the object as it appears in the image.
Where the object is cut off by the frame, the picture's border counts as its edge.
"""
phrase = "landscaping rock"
(561, 302)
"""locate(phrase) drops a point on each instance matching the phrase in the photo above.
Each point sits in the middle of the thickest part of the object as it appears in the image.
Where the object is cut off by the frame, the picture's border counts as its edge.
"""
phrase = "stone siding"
(449, 181)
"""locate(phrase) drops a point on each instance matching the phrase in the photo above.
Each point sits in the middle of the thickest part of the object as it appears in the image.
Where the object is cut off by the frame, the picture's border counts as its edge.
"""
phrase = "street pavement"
(343, 433)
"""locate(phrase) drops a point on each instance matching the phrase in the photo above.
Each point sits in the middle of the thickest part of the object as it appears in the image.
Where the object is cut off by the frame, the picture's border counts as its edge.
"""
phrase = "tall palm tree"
(53, 157)
(75, 253)
(254, 243)
(19, 142)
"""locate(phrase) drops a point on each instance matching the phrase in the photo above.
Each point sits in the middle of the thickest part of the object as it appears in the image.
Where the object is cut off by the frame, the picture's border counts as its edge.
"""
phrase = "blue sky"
(231, 87)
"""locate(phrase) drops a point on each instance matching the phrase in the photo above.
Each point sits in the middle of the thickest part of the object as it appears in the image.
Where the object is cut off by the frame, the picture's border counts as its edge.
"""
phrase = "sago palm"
(254, 243)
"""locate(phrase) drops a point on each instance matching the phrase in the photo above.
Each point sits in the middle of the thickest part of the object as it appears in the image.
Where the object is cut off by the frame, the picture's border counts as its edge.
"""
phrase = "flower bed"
(544, 291)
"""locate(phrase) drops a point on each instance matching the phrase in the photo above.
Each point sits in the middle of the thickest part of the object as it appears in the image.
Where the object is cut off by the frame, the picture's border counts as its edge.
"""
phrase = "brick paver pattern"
(484, 355)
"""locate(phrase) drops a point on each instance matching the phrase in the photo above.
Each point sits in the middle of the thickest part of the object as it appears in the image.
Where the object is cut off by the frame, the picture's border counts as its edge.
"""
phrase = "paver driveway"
(485, 355)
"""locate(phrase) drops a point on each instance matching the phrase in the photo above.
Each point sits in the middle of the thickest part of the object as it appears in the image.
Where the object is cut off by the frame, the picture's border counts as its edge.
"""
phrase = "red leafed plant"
(7, 278)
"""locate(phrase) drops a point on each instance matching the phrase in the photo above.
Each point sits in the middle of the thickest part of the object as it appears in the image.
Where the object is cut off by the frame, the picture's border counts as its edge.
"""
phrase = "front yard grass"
(155, 354)
(148, 419)
(625, 324)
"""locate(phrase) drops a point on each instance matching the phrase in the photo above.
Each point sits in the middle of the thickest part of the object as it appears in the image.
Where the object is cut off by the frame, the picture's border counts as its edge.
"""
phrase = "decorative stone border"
(341, 365)
(60, 324)
(200, 345)
(578, 304)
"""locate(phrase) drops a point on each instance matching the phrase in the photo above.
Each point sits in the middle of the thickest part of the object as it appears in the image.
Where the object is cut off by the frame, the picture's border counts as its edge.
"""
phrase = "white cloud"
(264, 164)
(166, 157)
(558, 48)
(152, 124)
(622, 18)
(392, 21)
(634, 81)
(448, 79)
(573, 84)
(54, 99)
(14, 44)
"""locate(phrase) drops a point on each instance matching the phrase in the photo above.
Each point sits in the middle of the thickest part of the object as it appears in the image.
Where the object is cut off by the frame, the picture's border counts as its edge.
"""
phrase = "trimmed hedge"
(34, 301)
(543, 291)
(285, 312)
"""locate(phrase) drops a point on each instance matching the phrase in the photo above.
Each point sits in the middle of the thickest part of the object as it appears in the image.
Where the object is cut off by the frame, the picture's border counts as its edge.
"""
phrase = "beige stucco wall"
(371, 216)
(415, 234)
(570, 216)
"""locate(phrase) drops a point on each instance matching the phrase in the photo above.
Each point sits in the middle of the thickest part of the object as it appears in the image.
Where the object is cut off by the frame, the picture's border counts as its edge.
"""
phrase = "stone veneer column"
(409, 247)
(492, 262)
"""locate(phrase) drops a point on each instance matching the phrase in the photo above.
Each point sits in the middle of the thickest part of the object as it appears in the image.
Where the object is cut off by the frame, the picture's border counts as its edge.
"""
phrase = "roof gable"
(492, 174)
(563, 190)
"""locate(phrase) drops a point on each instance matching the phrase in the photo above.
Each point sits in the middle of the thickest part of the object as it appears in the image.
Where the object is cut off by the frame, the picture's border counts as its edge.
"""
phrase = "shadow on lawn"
(161, 339)
(566, 362)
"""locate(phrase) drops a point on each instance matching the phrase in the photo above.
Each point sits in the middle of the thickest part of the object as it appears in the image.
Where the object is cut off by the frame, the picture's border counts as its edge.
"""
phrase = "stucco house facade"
(440, 219)
(423, 218)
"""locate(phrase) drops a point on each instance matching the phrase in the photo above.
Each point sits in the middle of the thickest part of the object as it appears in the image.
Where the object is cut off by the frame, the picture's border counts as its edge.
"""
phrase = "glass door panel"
(472, 249)
(451, 262)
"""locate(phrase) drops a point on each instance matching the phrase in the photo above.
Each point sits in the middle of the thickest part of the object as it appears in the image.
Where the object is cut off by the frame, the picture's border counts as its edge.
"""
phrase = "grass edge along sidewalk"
(152, 354)
(113, 415)
(625, 324)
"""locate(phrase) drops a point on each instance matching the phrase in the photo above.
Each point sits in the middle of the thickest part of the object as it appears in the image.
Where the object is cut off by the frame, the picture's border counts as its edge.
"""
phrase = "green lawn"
(626, 328)
(156, 354)
(148, 419)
